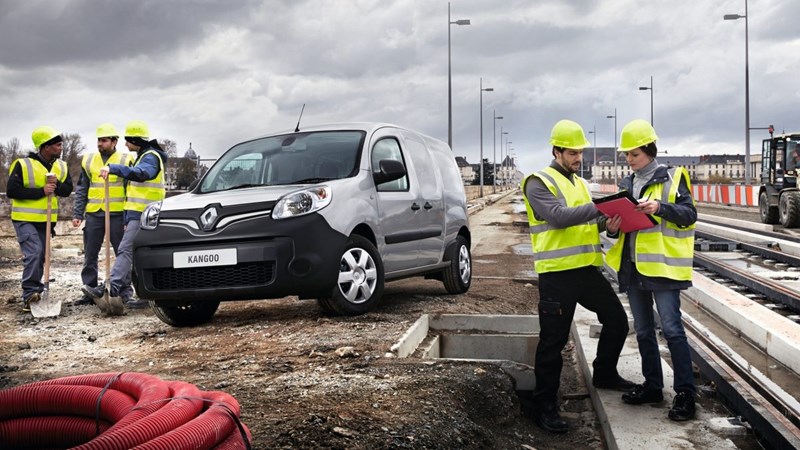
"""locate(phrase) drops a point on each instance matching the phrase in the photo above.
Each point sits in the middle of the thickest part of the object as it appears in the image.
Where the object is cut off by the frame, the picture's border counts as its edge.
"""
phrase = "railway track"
(752, 265)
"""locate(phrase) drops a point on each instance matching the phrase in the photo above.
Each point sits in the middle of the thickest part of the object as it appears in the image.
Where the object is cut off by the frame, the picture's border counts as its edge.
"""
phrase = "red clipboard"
(624, 204)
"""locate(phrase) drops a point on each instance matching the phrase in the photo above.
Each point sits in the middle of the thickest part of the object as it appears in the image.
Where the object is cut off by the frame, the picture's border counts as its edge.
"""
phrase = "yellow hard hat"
(43, 134)
(568, 134)
(107, 130)
(637, 133)
(137, 128)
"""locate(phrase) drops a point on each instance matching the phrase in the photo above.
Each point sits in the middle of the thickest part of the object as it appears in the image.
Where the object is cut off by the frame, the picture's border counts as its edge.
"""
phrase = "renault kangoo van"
(327, 212)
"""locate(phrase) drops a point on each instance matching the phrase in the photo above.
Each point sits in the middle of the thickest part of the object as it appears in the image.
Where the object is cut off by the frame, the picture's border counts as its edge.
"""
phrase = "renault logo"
(208, 218)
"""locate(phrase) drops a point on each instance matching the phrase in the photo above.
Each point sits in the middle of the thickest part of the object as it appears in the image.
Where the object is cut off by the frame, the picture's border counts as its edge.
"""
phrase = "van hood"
(227, 198)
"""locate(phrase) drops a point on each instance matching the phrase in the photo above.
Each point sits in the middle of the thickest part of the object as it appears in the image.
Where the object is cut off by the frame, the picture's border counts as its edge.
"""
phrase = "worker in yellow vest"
(565, 236)
(653, 265)
(89, 207)
(32, 181)
(145, 184)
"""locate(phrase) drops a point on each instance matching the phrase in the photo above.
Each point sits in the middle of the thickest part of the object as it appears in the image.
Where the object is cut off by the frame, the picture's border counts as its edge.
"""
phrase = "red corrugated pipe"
(112, 411)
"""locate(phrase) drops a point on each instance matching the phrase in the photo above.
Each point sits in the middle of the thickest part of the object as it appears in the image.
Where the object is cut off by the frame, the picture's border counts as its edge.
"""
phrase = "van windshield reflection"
(297, 158)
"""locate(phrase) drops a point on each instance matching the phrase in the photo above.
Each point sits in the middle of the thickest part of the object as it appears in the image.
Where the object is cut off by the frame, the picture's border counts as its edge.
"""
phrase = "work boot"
(616, 383)
(682, 407)
(135, 303)
(641, 395)
(94, 292)
(548, 419)
(26, 302)
(84, 300)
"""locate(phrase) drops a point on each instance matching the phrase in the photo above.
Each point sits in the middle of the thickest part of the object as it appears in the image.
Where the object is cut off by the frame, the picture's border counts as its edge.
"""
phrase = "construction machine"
(778, 195)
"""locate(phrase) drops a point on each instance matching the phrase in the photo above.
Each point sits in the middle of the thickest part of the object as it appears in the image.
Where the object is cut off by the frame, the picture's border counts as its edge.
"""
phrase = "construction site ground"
(307, 380)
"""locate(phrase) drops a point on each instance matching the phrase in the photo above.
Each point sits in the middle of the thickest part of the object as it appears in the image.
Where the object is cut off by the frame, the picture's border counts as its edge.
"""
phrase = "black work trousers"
(559, 292)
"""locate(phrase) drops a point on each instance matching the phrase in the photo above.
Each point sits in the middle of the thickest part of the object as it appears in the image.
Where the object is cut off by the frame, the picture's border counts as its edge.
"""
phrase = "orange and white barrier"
(724, 194)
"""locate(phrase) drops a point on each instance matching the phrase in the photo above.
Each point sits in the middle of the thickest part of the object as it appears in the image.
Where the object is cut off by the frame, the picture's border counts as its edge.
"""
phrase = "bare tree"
(8, 153)
(170, 147)
(71, 154)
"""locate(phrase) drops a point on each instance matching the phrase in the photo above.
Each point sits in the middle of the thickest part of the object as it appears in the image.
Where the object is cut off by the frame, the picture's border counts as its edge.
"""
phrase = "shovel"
(46, 307)
(108, 304)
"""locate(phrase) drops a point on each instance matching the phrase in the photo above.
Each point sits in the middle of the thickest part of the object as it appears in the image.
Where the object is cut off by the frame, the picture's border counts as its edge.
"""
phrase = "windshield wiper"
(309, 180)
(241, 186)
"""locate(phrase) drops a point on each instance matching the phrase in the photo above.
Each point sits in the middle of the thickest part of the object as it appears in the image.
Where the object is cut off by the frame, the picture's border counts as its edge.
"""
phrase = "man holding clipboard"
(565, 237)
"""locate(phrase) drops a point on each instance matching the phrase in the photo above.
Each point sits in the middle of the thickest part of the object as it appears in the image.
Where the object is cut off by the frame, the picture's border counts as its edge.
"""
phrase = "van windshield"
(297, 158)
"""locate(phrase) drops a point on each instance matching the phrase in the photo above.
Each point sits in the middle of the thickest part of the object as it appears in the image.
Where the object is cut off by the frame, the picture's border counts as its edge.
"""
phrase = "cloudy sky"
(214, 73)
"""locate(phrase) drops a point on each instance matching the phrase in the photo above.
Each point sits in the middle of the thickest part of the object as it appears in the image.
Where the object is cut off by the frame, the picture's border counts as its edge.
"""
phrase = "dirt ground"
(279, 358)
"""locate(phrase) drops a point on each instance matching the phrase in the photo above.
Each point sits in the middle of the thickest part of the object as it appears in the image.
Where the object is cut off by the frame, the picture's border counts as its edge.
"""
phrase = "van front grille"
(240, 275)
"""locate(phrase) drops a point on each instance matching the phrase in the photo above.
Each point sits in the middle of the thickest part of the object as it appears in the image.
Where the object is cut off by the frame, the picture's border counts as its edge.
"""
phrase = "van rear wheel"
(186, 315)
(458, 276)
(359, 287)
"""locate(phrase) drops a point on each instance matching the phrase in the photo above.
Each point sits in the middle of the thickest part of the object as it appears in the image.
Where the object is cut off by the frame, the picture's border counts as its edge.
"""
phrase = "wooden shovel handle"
(47, 241)
(108, 232)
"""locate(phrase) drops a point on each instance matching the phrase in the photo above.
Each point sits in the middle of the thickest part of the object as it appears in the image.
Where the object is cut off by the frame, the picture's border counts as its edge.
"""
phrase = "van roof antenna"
(297, 128)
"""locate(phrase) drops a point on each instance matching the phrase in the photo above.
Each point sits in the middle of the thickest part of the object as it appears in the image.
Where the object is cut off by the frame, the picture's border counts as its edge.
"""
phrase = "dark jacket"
(682, 213)
(16, 187)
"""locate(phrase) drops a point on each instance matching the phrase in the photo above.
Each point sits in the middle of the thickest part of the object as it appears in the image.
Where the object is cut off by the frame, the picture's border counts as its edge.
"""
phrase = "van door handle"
(414, 206)
(428, 205)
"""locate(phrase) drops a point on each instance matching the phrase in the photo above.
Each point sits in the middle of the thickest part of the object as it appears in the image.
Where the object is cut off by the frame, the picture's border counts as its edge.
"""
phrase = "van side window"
(389, 148)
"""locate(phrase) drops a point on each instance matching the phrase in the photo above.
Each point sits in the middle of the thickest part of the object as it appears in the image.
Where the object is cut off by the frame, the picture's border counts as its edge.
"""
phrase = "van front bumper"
(274, 259)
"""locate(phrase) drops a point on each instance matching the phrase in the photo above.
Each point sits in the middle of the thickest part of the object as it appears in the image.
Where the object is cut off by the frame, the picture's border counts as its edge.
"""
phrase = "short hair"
(650, 150)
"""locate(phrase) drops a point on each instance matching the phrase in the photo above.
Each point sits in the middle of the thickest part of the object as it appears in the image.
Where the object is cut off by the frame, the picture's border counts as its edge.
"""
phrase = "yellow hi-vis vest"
(34, 175)
(559, 249)
(665, 250)
(92, 163)
(141, 193)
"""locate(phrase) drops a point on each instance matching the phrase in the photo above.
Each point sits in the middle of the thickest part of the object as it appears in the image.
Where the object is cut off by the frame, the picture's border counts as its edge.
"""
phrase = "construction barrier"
(723, 194)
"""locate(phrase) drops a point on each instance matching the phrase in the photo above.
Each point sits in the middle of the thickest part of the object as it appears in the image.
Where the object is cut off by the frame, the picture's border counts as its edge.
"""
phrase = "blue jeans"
(31, 241)
(121, 272)
(668, 303)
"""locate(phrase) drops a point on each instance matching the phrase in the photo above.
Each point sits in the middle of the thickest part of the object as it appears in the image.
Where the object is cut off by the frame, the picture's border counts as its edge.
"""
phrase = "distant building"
(468, 174)
(702, 169)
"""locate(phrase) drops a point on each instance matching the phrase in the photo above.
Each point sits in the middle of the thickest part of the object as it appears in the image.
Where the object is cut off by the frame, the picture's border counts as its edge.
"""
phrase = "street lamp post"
(449, 78)
(503, 165)
(494, 133)
(645, 88)
(746, 92)
(494, 164)
(481, 95)
(615, 144)
(594, 149)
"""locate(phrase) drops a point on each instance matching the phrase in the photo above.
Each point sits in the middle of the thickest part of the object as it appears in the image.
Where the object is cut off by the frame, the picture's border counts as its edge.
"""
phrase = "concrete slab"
(778, 336)
(643, 426)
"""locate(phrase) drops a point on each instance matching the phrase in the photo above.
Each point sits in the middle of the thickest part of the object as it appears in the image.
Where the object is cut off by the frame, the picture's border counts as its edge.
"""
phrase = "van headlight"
(149, 219)
(302, 202)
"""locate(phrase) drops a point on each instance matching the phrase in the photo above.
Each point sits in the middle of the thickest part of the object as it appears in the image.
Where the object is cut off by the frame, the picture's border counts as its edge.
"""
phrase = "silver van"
(327, 212)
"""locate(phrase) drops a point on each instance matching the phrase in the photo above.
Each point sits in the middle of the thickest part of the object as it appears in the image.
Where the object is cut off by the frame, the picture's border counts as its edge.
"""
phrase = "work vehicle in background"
(778, 196)
(329, 212)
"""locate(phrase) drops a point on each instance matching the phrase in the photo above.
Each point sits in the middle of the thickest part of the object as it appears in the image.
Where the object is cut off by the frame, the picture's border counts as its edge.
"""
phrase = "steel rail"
(773, 414)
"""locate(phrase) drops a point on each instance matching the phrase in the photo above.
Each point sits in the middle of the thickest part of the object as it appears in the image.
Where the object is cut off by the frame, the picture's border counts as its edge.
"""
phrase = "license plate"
(204, 258)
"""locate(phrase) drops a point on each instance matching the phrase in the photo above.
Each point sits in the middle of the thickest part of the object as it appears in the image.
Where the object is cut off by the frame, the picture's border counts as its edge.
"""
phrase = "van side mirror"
(390, 170)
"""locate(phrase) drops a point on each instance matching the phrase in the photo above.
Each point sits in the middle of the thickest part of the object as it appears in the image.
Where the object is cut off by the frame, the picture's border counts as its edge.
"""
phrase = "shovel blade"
(115, 306)
(102, 302)
(46, 306)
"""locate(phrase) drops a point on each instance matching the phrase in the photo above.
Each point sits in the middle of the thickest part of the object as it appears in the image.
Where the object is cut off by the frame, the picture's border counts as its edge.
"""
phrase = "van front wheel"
(458, 276)
(359, 287)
